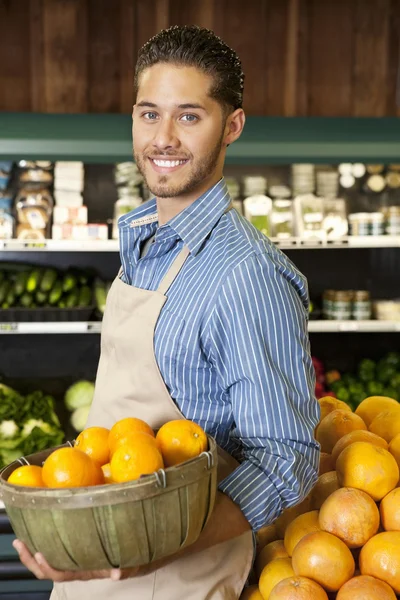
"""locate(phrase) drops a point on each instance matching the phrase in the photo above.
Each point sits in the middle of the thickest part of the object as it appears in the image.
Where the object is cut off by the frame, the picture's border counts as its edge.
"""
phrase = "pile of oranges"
(343, 540)
(123, 453)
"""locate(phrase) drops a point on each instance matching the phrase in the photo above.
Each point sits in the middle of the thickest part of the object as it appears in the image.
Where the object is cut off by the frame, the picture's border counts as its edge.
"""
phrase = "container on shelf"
(362, 308)
(327, 302)
(282, 219)
(366, 223)
(391, 216)
(257, 205)
(341, 305)
(387, 310)
(309, 215)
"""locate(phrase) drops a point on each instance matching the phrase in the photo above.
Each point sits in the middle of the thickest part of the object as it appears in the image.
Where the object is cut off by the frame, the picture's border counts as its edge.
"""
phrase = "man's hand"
(42, 570)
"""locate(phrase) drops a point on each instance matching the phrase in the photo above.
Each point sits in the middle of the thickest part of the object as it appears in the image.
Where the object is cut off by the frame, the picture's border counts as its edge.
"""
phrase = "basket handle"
(210, 459)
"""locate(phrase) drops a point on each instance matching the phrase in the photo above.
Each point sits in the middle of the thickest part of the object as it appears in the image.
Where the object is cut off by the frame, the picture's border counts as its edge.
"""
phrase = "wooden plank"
(291, 63)
(103, 68)
(302, 59)
(65, 54)
(126, 55)
(14, 53)
(273, 74)
(371, 59)
(146, 25)
(196, 12)
(393, 72)
(162, 14)
(38, 78)
(330, 57)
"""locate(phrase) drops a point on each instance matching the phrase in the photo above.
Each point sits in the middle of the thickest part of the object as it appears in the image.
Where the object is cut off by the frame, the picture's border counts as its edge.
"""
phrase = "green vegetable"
(56, 293)
(33, 280)
(79, 418)
(395, 381)
(40, 297)
(385, 371)
(79, 394)
(393, 358)
(375, 388)
(85, 296)
(69, 282)
(8, 429)
(48, 281)
(391, 393)
(366, 370)
(4, 289)
(21, 281)
(343, 394)
(100, 294)
(11, 298)
(26, 300)
(71, 301)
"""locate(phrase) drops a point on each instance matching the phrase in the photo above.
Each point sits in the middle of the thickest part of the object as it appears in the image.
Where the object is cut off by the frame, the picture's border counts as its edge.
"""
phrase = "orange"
(328, 404)
(265, 535)
(298, 588)
(107, 473)
(386, 424)
(351, 515)
(134, 460)
(127, 438)
(359, 435)
(326, 463)
(124, 426)
(394, 448)
(181, 440)
(297, 529)
(326, 484)
(372, 406)
(380, 557)
(324, 558)
(251, 593)
(389, 509)
(28, 475)
(270, 552)
(335, 425)
(273, 573)
(368, 468)
(94, 442)
(365, 587)
(291, 513)
(69, 467)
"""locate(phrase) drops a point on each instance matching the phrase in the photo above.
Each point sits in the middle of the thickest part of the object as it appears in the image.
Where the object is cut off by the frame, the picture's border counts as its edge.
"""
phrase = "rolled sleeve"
(260, 347)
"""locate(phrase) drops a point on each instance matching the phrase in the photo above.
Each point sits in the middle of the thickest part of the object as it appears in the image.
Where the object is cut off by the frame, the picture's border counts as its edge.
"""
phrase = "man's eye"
(150, 116)
(190, 118)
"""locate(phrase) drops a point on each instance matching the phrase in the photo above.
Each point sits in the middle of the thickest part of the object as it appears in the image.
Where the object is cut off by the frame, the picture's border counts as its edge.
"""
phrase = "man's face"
(178, 131)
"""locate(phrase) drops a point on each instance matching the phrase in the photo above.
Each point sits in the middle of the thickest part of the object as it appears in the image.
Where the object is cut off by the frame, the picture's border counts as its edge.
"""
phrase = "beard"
(201, 169)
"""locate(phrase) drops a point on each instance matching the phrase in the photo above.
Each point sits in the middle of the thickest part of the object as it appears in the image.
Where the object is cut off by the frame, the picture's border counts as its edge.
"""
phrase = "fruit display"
(28, 424)
(126, 452)
(371, 378)
(343, 540)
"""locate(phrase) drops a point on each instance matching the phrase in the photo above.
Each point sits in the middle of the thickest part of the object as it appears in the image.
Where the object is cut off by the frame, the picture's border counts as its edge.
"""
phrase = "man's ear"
(234, 126)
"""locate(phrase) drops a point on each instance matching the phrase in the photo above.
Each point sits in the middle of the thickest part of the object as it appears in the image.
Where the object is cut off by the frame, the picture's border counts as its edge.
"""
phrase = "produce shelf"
(59, 246)
(294, 243)
(373, 326)
(95, 327)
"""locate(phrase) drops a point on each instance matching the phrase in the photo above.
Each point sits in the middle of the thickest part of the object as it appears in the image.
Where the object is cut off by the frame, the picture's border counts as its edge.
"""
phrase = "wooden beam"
(292, 48)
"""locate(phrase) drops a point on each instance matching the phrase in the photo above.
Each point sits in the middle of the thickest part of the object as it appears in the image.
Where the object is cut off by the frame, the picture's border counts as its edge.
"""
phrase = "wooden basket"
(119, 525)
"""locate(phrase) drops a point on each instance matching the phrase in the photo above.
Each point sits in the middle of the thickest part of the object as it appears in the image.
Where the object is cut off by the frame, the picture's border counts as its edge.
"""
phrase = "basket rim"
(145, 487)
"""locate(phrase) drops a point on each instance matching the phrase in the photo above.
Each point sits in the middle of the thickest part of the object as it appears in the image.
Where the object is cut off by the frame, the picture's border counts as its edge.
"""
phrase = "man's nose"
(166, 135)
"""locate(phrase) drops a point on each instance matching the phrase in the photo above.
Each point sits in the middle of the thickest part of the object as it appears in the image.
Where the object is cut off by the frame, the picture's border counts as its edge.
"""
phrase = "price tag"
(8, 327)
(348, 326)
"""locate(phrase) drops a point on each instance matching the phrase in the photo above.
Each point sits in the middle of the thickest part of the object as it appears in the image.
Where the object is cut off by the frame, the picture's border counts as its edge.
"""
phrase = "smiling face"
(179, 132)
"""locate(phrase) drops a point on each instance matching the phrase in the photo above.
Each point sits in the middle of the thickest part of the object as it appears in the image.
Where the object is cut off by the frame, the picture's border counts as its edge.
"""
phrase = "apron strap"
(173, 271)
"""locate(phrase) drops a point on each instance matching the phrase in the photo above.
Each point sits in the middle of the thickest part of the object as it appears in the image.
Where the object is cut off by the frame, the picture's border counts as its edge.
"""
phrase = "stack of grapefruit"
(127, 451)
(343, 540)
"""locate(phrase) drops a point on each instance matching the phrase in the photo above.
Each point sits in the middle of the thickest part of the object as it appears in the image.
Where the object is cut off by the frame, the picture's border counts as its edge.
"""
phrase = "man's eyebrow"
(188, 105)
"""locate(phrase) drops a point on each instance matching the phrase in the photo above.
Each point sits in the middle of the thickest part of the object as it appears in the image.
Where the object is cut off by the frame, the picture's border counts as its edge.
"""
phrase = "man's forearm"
(226, 522)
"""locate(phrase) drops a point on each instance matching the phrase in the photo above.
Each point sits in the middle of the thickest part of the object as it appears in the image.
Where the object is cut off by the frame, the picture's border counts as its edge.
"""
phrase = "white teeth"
(168, 163)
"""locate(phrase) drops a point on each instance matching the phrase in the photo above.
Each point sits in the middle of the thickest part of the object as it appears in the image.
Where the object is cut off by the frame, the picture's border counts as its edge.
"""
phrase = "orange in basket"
(180, 441)
(93, 441)
(138, 457)
(28, 475)
(69, 467)
(131, 437)
(124, 427)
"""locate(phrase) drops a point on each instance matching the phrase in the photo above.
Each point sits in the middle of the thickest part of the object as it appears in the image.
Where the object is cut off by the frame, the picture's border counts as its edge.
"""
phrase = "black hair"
(194, 46)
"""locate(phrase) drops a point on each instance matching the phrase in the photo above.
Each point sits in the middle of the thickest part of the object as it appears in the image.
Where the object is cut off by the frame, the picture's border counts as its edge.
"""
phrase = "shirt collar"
(194, 223)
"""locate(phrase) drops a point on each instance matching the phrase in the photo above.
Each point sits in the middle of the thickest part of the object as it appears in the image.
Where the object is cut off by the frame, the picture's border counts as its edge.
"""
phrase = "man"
(207, 321)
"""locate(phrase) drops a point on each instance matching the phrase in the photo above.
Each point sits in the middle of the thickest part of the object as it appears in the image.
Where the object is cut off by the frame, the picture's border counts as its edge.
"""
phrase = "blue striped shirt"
(232, 345)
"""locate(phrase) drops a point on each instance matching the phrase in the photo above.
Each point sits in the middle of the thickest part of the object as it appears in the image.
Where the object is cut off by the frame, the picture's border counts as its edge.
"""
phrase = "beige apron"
(129, 383)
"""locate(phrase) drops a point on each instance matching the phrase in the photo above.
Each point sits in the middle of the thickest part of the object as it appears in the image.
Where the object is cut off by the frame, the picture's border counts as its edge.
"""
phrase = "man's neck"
(168, 208)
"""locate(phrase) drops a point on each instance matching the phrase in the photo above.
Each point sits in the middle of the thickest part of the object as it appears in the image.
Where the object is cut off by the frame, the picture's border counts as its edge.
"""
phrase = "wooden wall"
(300, 57)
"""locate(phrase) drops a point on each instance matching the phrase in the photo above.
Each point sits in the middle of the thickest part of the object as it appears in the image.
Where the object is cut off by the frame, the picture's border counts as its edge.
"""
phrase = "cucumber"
(71, 301)
(11, 297)
(69, 282)
(5, 305)
(4, 289)
(56, 293)
(33, 280)
(48, 280)
(21, 281)
(85, 296)
(26, 300)
(100, 294)
(41, 297)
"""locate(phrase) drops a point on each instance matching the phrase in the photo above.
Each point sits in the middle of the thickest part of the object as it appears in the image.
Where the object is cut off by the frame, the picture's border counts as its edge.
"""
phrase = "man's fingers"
(28, 560)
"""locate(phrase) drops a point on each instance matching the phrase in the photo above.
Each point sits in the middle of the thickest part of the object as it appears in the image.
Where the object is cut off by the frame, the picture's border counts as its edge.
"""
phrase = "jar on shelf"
(282, 219)
(327, 300)
(366, 223)
(362, 308)
(376, 223)
(391, 215)
(341, 305)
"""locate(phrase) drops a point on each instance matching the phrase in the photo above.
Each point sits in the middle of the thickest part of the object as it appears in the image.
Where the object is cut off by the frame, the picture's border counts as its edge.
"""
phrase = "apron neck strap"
(173, 271)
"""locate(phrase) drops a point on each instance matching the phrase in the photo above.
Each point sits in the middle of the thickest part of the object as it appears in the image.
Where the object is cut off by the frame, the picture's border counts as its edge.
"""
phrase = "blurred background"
(317, 170)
